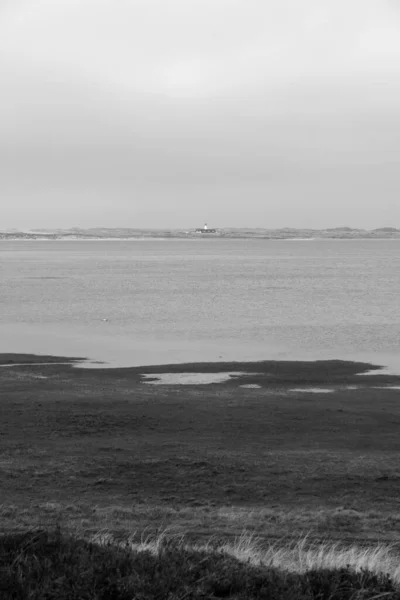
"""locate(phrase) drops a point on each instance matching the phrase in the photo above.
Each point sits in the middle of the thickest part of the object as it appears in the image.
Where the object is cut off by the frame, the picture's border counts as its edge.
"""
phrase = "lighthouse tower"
(205, 229)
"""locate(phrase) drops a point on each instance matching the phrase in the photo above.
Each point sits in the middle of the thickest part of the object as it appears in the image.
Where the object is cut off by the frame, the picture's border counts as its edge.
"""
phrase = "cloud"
(279, 96)
(201, 48)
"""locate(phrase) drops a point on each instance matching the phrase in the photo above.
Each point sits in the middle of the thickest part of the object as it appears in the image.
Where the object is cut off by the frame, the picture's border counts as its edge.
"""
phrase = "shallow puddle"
(189, 378)
(387, 387)
(313, 390)
(251, 385)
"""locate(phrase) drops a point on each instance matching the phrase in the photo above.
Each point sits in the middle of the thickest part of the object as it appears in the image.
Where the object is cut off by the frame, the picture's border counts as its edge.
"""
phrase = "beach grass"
(47, 565)
(198, 522)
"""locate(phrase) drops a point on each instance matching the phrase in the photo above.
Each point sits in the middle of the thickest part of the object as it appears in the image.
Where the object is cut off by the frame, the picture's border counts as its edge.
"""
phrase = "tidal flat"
(94, 449)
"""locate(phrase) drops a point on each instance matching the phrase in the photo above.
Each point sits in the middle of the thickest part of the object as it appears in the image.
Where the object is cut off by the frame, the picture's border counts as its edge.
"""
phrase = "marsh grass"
(50, 565)
(104, 456)
(201, 521)
(292, 556)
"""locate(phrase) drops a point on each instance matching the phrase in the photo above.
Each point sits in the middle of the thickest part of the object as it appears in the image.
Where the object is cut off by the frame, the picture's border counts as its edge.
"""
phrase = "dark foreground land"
(56, 567)
(95, 448)
(89, 450)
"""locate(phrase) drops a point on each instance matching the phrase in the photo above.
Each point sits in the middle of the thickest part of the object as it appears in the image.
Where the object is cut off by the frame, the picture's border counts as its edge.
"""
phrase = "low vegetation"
(45, 565)
(100, 454)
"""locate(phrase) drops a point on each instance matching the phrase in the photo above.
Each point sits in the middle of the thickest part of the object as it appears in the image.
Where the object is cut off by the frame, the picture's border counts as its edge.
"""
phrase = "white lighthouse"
(205, 229)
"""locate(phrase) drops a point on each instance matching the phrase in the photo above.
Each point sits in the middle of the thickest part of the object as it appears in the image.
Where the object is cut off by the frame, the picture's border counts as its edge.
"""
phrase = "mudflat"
(262, 450)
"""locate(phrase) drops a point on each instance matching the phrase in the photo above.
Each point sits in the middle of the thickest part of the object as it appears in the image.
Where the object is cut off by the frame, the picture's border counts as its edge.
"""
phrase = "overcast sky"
(169, 113)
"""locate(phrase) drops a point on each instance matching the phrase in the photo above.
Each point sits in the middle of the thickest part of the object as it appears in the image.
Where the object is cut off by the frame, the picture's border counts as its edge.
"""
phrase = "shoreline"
(262, 373)
(198, 238)
(96, 347)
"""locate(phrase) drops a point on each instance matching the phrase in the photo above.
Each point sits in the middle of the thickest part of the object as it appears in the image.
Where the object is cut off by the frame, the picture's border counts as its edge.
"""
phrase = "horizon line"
(76, 228)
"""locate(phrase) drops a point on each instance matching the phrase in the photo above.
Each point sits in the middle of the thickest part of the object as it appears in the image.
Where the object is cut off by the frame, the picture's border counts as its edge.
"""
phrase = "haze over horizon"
(241, 113)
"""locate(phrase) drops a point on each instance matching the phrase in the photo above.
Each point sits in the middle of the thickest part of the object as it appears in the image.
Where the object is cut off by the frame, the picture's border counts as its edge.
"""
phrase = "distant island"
(286, 233)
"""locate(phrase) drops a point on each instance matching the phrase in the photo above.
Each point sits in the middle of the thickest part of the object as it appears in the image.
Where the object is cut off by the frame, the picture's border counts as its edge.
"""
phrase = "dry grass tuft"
(41, 564)
(302, 556)
(292, 557)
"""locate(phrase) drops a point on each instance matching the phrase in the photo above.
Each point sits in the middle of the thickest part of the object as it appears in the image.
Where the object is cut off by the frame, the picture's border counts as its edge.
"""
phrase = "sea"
(121, 303)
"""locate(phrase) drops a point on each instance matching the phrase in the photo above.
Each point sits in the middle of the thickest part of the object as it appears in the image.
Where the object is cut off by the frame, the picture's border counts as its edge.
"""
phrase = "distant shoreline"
(130, 233)
(143, 235)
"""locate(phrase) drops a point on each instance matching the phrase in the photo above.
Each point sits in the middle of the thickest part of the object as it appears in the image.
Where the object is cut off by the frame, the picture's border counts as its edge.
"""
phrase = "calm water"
(176, 300)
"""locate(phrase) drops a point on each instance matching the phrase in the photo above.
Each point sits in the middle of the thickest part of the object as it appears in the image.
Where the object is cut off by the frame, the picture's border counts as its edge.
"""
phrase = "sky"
(167, 114)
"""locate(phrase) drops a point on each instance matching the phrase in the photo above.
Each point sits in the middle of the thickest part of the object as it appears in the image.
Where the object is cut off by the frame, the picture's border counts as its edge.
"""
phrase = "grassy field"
(97, 450)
